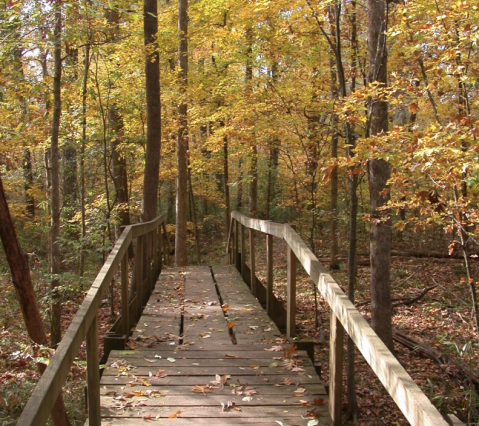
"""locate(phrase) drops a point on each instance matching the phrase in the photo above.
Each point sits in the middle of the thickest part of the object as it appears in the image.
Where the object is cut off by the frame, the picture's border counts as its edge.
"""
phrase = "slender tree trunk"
(353, 213)
(334, 247)
(55, 176)
(153, 112)
(226, 185)
(82, 157)
(181, 248)
(253, 187)
(22, 281)
(28, 182)
(379, 173)
(239, 193)
(253, 171)
(118, 160)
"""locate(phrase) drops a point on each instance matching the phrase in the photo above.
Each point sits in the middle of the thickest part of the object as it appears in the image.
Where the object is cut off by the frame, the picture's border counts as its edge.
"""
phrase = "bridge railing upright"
(151, 248)
(410, 399)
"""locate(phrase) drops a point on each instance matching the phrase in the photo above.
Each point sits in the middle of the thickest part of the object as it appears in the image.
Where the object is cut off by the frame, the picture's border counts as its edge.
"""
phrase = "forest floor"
(441, 319)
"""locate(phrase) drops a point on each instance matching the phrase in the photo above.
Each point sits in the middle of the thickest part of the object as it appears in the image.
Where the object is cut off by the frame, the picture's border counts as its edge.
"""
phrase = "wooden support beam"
(243, 251)
(125, 311)
(269, 274)
(291, 295)
(336, 354)
(93, 374)
(140, 253)
(252, 261)
(237, 239)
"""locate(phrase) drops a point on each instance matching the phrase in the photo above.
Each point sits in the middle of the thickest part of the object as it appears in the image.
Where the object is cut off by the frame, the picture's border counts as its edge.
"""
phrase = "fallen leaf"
(274, 349)
(202, 389)
(174, 415)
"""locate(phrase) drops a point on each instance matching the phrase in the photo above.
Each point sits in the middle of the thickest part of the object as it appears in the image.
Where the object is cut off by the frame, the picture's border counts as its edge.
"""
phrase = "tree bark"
(118, 160)
(22, 281)
(82, 156)
(28, 182)
(253, 170)
(379, 173)
(55, 269)
(153, 112)
(181, 248)
(226, 185)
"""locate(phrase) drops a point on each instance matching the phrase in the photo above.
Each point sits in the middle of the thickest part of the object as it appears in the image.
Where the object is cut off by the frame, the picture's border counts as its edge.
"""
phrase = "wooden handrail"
(415, 406)
(84, 327)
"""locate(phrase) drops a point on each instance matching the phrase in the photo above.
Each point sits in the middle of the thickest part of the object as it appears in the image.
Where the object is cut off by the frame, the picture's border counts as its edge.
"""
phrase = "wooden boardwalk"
(205, 353)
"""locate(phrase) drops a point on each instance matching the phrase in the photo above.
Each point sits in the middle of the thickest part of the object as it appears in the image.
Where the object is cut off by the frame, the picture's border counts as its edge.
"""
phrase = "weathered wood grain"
(160, 380)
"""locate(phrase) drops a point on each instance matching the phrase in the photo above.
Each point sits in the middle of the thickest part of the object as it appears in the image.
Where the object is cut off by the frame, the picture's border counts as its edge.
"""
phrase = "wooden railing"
(151, 247)
(415, 406)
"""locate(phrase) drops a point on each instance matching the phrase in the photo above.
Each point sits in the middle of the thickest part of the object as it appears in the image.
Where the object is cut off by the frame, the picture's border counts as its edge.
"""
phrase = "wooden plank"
(268, 352)
(252, 262)
(264, 226)
(291, 296)
(125, 311)
(209, 399)
(206, 412)
(336, 371)
(212, 370)
(243, 250)
(269, 274)
(93, 374)
(228, 390)
(206, 421)
(180, 380)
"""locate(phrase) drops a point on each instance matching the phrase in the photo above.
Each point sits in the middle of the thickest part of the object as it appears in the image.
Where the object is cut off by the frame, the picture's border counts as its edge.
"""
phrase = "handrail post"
(336, 353)
(252, 262)
(159, 253)
(236, 244)
(151, 277)
(93, 374)
(165, 244)
(139, 286)
(291, 295)
(243, 251)
(269, 274)
(125, 309)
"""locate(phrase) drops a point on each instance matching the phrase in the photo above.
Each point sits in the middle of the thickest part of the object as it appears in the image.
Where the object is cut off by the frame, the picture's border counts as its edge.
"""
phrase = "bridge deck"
(205, 353)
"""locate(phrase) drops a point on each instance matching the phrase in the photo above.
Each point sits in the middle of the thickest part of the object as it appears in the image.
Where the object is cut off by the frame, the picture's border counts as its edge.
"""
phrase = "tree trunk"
(379, 173)
(239, 193)
(28, 182)
(118, 160)
(253, 170)
(181, 248)
(353, 213)
(55, 179)
(22, 281)
(226, 185)
(153, 112)
(82, 157)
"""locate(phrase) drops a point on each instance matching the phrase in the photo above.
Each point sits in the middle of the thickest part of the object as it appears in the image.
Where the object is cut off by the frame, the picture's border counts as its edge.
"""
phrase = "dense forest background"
(276, 108)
